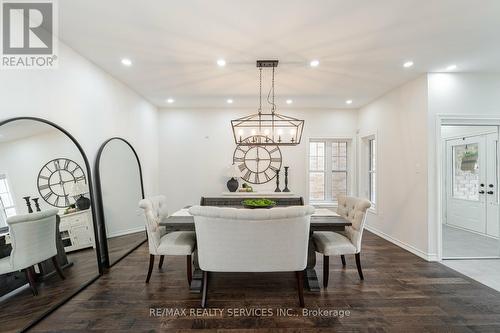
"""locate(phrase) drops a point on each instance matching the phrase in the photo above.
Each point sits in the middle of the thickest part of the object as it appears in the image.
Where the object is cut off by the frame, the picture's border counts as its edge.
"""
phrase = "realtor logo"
(28, 34)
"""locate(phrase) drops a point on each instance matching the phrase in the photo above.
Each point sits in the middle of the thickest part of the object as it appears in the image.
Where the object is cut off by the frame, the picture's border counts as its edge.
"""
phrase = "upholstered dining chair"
(176, 243)
(33, 240)
(333, 244)
(252, 240)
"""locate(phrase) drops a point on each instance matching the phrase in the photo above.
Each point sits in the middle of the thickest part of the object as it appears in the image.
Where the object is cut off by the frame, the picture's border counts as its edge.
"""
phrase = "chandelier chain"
(260, 90)
(274, 105)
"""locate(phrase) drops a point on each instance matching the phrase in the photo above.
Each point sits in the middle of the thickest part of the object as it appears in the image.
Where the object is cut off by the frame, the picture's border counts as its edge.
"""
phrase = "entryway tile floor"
(485, 271)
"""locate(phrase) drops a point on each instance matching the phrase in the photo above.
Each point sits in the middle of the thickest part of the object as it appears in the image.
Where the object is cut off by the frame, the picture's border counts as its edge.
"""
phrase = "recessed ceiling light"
(314, 63)
(170, 100)
(229, 101)
(221, 62)
(126, 62)
(289, 101)
(349, 101)
(451, 67)
(408, 64)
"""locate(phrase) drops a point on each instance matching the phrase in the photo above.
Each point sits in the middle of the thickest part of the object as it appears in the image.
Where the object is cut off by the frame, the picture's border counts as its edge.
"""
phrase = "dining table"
(323, 219)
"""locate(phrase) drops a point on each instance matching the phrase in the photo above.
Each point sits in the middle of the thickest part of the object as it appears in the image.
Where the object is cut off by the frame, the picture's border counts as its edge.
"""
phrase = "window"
(372, 176)
(328, 169)
(7, 207)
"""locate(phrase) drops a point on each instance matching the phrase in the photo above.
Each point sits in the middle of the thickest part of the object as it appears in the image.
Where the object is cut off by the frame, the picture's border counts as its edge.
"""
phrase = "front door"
(466, 202)
(472, 210)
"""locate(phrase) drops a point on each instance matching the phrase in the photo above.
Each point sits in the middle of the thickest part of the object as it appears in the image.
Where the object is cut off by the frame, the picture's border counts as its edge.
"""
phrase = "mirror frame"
(99, 199)
(93, 211)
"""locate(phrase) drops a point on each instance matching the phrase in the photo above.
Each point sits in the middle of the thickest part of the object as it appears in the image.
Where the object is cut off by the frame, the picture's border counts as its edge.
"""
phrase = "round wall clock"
(54, 179)
(258, 164)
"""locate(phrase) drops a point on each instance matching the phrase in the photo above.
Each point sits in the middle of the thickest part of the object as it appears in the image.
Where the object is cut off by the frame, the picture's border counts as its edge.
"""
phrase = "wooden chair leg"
(204, 290)
(358, 265)
(300, 286)
(30, 276)
(161, 262)
(326, 270)
(151, 264)
(342, 257)
(58, 268)
(189, 269)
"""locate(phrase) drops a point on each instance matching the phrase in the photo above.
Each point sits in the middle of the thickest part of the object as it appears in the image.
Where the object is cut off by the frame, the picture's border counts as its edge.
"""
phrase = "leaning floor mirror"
(119, 190)
(48, 247)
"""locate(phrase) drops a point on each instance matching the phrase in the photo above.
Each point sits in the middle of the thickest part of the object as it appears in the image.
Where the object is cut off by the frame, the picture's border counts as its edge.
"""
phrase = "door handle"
(481, 192)
(490, 192)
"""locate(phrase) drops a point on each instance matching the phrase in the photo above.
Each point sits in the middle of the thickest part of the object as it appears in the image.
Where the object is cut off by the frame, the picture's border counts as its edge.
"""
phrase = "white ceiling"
(21, 129)
(361, 45)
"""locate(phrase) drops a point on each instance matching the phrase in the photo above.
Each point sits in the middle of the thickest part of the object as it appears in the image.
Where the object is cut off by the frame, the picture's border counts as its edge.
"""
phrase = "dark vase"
(232, 185)
(82, 203)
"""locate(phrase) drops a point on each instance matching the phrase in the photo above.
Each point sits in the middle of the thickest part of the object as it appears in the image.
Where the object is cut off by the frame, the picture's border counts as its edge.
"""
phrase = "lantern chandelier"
(267, 128)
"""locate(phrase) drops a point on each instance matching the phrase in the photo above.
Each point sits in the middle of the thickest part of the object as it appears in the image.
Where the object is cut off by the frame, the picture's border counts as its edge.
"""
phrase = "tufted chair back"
(252, 240)
(155, 209)
(354, 210)
(33, 238)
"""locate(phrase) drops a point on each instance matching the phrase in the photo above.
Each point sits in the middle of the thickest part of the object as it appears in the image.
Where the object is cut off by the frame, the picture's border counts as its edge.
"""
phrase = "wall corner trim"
(410, 248)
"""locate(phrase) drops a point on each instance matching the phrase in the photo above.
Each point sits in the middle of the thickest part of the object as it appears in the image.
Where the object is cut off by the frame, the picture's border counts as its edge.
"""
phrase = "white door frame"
(452, 119)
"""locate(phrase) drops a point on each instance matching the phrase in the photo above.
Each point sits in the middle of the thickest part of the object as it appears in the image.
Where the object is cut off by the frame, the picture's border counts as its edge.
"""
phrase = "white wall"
(87, 102)
(21, 160)
(399, 119)
(196, 146)
(461, 94)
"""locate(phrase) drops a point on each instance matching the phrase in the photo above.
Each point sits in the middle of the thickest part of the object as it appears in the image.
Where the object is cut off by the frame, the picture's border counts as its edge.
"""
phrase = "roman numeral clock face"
(258, 164)
(55, 178)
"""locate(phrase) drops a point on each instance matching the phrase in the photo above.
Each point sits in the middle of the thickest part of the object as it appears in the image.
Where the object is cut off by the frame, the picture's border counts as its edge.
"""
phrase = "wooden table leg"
(196, 282)
(311, 278)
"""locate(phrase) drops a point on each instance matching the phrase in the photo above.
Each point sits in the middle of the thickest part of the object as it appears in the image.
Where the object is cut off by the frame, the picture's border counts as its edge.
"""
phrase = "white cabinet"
(77, 230)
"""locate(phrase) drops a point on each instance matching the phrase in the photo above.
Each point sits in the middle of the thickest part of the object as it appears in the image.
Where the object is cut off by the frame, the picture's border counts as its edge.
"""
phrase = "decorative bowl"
(258, 203)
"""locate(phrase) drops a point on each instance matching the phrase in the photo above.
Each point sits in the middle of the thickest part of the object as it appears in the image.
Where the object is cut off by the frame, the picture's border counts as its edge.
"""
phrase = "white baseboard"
(125, 232)
(407, 247)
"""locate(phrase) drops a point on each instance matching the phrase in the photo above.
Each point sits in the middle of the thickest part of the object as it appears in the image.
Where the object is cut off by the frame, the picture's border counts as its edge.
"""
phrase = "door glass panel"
(466, 172)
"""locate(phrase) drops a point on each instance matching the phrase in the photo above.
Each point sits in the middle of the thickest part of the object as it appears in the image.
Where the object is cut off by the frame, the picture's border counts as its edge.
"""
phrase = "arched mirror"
(48, 246)
(120, 188)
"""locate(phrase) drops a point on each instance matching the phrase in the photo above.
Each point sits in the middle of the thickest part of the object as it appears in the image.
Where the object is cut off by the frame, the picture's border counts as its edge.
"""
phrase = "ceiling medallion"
(267, 128)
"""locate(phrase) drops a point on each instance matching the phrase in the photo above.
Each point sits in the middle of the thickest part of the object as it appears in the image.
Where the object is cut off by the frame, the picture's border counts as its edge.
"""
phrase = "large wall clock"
(258, 164)
(55, 178)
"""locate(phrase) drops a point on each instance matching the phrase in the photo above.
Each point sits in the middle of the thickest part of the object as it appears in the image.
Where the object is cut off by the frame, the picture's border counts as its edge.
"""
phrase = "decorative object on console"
(286, 180)
(257, 163)
(258, 203)
(28, 204)
(37, 204)
(78, 190)
(277, 181)
(246, 188)
(53, 179)
(264, 128)
(233, 173)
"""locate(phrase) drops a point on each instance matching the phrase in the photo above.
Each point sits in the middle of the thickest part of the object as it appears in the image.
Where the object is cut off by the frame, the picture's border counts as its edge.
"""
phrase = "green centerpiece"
(258, 203)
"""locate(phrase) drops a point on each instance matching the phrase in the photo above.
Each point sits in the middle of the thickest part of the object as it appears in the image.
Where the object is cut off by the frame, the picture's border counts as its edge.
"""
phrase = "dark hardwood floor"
(20, 307)
(118, 246)
(400, 293)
